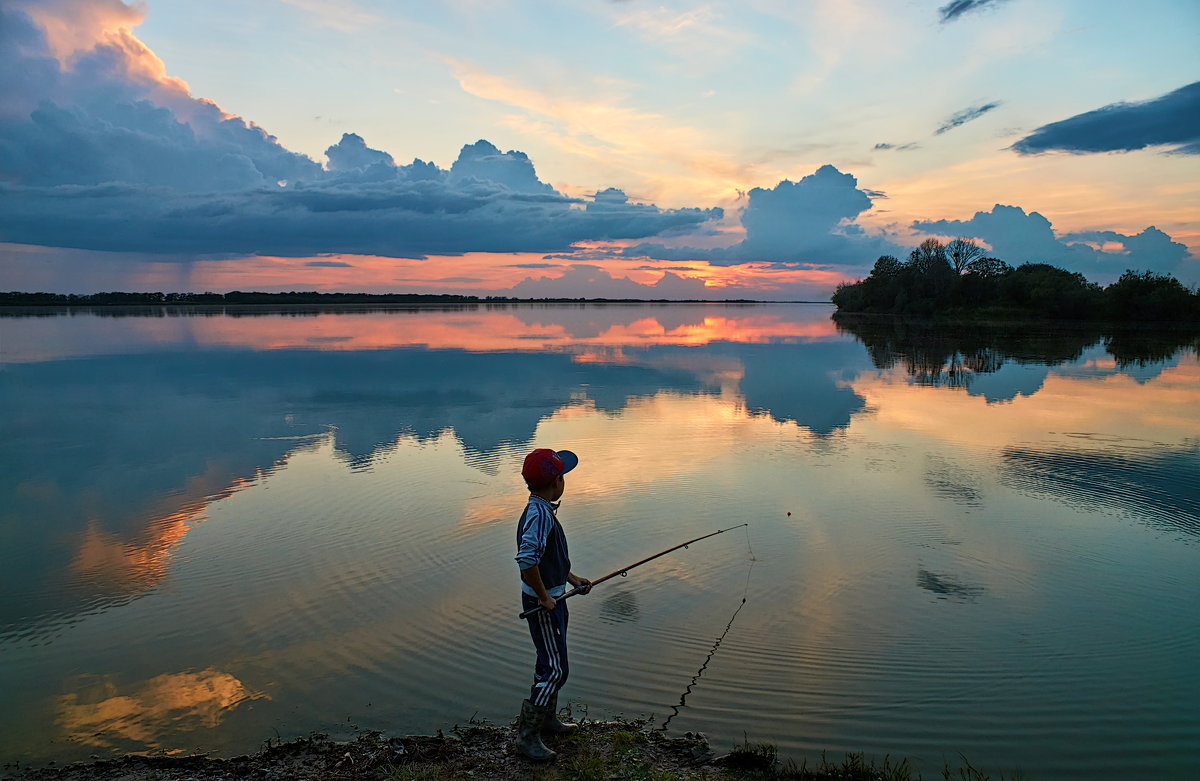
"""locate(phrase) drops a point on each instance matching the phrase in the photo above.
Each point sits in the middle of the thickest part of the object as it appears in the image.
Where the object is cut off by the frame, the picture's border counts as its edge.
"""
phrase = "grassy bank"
(599, 751)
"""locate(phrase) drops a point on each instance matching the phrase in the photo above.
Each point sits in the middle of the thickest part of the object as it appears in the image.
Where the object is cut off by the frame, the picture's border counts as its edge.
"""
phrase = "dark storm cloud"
(1019, 237)
(810, 221)
(956, 8)
(399, 218)
(1172, 119)
(328, 264)
(96, 156)
(965, 116)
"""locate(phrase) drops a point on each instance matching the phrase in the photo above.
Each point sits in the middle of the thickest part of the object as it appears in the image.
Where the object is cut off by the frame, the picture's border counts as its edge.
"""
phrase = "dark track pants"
(549, 633)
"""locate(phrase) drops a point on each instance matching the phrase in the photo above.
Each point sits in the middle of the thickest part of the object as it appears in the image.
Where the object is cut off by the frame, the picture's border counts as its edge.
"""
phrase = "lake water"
(218, 528)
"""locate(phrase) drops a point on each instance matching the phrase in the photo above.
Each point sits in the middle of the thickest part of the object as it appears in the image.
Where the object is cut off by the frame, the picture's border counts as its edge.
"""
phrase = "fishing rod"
(625, 570)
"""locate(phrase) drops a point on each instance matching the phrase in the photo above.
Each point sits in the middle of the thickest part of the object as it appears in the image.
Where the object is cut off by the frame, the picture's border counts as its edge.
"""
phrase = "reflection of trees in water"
(955, 369)
(953, 354)
(1139, 348)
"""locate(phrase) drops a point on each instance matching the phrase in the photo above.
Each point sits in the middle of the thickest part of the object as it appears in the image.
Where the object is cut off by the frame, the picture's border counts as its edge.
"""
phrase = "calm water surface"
(218, 528)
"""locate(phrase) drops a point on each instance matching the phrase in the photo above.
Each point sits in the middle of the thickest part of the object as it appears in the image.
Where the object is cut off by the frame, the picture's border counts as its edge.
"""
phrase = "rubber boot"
(552, 726)
(529, 732)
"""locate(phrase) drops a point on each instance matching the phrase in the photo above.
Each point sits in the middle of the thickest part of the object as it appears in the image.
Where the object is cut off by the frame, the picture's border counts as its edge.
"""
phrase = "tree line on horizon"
(956, 278)
(238, 297)
(115, 298)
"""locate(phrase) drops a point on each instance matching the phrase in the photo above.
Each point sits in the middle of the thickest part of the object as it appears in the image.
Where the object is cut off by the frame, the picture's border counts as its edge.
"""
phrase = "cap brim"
(569, 459)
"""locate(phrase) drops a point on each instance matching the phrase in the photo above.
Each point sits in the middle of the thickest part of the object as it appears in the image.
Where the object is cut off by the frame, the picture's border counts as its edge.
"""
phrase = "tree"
(928, 277)
(929, 257)
(962, 252)
(1050, 291)
(927, 285)
(1150, 296)
(989, 267)
(887, 266)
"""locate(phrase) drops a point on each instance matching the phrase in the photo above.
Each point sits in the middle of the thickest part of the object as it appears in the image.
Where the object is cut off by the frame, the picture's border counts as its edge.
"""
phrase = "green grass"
(760, 762)
(437, 771)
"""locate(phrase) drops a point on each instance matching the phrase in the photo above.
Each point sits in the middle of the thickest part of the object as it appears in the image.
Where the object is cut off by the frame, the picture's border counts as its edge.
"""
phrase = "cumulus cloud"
(815, 204)
(482, 161)
(353, 154)
(811, 221)
(587, 281)
(108, 112)
(965, 116)
(1019, 237)
(1152, 249)
(1169, 120)
(100, 149)
(956, 8)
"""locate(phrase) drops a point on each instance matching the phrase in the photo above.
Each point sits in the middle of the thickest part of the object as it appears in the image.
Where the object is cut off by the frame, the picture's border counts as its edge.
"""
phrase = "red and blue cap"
(543, 466)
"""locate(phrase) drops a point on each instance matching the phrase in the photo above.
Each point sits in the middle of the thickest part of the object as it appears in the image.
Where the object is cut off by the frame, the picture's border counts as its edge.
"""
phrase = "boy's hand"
(583, 584)
(547, 602)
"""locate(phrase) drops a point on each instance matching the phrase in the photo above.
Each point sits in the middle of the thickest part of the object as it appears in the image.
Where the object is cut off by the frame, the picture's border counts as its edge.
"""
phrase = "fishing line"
(712, 652)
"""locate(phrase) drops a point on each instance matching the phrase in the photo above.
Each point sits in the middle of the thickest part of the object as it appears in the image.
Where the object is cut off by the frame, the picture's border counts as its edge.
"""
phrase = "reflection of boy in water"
(545, 574)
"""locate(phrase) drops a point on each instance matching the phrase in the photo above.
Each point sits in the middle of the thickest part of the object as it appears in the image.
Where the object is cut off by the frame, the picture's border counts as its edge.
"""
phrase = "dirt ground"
(598, 750)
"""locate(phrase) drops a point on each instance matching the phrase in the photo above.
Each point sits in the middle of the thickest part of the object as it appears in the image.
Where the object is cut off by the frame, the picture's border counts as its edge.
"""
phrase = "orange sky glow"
(666, 142)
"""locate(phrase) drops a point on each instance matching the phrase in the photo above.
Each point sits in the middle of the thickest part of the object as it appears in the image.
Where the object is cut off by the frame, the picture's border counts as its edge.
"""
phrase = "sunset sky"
(761, 149)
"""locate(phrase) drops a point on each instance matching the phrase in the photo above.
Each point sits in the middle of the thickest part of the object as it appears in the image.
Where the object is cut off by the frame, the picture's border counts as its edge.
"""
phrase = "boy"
(545, 573)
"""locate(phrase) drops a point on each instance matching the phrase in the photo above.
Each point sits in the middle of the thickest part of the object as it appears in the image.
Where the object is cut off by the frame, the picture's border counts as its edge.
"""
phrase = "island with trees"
(958, 280)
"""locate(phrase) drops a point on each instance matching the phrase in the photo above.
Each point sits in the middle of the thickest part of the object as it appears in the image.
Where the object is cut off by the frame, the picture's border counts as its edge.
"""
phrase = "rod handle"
(539, 608)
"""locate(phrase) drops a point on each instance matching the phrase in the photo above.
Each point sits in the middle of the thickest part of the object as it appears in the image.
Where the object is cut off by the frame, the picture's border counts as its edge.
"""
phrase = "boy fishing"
(545, 573)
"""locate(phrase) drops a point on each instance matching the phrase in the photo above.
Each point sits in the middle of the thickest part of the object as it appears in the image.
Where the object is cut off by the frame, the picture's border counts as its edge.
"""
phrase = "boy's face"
(560, 485)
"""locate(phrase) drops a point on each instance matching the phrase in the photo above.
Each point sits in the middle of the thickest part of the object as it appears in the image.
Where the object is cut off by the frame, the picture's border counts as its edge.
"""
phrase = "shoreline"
(353, 300)
(1008, 320)
(621, 749)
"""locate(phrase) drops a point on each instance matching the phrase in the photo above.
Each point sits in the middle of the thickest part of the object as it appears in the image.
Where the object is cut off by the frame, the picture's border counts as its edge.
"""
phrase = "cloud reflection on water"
(331, 480)
(181, 426)
(188, 424)
(102, 713)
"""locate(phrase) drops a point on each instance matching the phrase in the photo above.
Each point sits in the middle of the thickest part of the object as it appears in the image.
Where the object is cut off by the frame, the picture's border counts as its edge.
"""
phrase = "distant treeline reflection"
(955, 279)
(936, 355)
